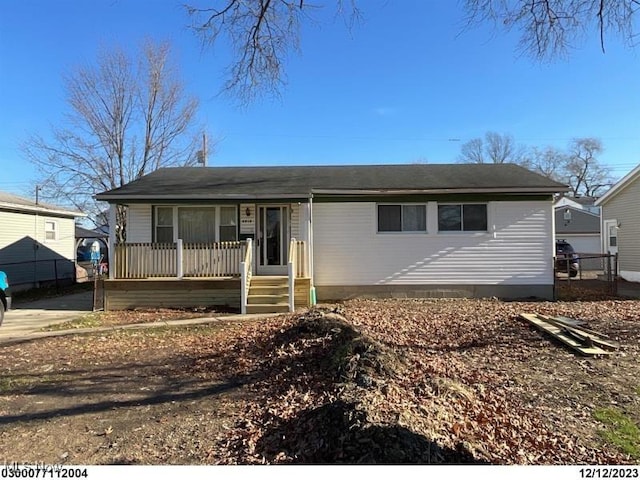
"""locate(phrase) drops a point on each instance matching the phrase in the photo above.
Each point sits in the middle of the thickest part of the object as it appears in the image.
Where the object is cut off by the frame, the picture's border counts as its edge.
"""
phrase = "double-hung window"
(402, 218)
(465, 217)
(164, 224)
(50, 230)
(228, 229)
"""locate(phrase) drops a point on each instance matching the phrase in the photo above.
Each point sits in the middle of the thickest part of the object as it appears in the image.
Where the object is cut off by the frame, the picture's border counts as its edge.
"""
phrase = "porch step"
(268, 289)
(268, 294)
(268, 308)
(271, 280)
(267, 299)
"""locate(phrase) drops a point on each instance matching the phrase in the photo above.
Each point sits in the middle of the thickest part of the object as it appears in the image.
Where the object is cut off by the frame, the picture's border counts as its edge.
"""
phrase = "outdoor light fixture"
(247, 212)
(567, 215)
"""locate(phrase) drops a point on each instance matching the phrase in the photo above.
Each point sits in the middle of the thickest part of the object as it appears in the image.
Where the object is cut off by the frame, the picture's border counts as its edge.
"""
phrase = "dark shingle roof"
(86, 233)
(300, 181)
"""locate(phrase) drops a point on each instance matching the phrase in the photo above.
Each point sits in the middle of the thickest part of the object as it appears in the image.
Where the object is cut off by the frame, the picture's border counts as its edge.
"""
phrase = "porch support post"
(312, 290)
(291, 271)
(112, 239)
(179, 271)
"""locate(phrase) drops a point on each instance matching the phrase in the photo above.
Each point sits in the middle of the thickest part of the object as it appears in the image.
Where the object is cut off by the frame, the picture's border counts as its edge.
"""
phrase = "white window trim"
(175, 218)
(462, 231)
(403, 232)
(55, 231)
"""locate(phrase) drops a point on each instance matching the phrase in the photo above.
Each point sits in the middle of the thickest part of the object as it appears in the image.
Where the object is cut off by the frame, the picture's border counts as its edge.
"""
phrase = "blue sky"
(397, 88)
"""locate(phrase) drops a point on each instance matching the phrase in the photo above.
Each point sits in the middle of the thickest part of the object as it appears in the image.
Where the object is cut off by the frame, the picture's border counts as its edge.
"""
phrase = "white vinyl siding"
(21, 233)
(517, 249)
(624, 207)
(19, 230)
(139, 229)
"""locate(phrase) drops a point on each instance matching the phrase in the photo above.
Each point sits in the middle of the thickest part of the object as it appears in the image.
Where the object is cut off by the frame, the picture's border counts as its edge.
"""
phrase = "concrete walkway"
(27, 317)
(17, 336)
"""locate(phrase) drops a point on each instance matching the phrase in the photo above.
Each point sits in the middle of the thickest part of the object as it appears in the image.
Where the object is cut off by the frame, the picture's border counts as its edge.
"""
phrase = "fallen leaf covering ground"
(368, 381)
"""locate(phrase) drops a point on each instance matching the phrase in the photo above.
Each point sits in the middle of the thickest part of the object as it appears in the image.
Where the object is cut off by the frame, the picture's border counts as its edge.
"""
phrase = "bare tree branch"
(261, 34)
(550, 28)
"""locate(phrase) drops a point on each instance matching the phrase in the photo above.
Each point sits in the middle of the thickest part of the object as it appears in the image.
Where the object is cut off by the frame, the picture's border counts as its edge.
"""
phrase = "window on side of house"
(164, 224)
(465, 217)
(50, 230)
(402, 218)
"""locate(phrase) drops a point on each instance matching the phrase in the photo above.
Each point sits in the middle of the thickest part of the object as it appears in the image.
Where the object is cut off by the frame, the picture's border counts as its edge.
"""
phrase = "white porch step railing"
(148, 260)
(297, 267)
(245, 276)
(292, 272)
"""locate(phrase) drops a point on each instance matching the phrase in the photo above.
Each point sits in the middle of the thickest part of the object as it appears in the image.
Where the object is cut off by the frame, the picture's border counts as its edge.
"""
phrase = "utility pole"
(204, 148)
(202, 154)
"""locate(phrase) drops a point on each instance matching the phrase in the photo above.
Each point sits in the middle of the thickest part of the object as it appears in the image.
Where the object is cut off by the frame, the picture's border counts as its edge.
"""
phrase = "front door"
(273, 239)
(611, 238)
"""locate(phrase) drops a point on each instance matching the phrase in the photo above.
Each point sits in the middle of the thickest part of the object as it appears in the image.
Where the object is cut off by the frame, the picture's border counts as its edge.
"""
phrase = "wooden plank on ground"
(588, 336)
(561, 335)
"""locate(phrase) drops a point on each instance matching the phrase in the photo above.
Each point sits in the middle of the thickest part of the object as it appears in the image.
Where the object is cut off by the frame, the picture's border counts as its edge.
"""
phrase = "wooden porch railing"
(300, 250)
(220, 259)
(148, 260)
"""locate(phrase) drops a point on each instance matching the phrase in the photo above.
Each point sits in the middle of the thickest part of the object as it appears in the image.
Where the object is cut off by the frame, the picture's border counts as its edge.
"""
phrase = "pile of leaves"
(309, 404)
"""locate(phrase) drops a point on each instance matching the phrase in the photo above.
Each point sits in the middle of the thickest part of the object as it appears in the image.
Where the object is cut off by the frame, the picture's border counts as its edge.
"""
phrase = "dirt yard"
(396, 381)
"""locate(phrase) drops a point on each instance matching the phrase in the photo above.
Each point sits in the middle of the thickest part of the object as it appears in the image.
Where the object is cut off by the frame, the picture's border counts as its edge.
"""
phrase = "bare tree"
(125, 120)
(549, 28)
(583, 172)
(262, 33)
(494, 148)
(577, 166)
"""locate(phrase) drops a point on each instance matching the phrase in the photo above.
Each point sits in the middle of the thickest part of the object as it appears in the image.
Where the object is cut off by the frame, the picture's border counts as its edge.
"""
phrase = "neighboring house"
(37, 242)
(388, 230)
(579, 227)
(621, 224)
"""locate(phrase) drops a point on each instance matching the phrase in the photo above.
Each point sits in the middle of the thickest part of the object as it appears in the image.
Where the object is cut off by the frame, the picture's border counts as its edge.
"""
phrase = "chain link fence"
(596, 273)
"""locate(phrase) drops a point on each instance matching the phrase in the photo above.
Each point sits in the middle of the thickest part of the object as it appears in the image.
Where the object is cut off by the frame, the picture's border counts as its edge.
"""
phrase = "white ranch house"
(270, 238)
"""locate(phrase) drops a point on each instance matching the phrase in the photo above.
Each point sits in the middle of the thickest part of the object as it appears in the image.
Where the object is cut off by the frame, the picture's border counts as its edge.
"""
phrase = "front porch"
(219, 274)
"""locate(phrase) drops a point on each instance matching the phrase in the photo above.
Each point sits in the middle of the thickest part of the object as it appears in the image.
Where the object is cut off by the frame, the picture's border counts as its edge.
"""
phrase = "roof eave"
(228, 196)
(38, 209)
(509, 190)
(112, 198)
